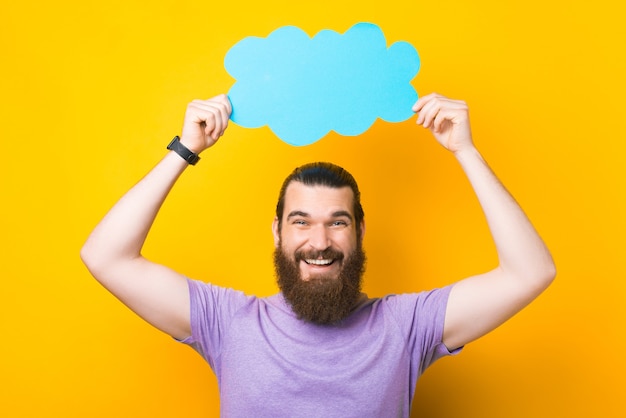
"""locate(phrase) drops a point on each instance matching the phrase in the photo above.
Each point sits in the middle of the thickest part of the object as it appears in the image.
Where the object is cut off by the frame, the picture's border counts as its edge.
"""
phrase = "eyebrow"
(337, 214)
(297, 213)
(342, 213)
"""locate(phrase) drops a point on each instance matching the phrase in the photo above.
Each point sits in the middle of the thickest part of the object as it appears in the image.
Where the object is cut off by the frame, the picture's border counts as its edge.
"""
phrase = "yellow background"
(92, 93)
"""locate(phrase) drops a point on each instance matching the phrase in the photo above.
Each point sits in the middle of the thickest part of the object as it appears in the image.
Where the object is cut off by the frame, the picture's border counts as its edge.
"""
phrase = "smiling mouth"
(319, 262)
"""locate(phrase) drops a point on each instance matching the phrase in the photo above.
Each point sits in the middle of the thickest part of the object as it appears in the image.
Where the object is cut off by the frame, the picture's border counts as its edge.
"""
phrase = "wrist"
(183, 151)
(467, 154)
(466, 151)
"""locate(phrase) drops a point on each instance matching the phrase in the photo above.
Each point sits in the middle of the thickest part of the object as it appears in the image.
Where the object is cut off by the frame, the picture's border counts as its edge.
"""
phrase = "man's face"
(319, 260)
(318, 228)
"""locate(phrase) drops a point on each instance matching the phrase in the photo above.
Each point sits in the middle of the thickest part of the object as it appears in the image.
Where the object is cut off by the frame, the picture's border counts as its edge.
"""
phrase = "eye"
(339, 223)
(299, 222)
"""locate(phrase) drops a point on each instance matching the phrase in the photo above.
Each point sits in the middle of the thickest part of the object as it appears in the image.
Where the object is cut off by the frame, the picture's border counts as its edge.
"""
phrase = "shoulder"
(217, 297)
(426, 299)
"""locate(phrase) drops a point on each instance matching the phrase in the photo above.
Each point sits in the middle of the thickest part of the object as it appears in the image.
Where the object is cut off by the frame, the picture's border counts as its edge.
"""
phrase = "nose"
(319, 238)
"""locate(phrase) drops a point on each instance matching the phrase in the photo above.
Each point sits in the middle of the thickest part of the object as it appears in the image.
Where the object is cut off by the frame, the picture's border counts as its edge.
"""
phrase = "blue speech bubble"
(303, 87)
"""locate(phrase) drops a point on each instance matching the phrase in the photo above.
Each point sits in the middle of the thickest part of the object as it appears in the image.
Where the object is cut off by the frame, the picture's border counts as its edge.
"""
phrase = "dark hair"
(322, 174)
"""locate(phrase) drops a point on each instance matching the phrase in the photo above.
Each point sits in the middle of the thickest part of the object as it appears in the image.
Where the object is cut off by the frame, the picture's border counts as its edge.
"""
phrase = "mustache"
(328, 253)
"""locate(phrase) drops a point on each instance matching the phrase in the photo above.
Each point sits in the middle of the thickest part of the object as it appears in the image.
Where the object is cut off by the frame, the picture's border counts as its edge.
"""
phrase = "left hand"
(447, 119)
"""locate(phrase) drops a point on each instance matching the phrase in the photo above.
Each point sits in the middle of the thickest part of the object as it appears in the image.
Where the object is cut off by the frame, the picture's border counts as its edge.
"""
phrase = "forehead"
(317, 199)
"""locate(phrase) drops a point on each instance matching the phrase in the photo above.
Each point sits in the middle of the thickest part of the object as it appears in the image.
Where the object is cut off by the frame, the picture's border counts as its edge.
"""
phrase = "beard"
(322, 300)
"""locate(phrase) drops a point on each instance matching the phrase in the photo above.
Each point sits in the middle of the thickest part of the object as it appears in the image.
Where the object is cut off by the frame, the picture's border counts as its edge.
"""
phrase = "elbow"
(88, 257)
(545, 274)
(549, 269)
(535, 276)
(542, 268)
(551, 273)
(92, 259)
(552, 270)
(545, 279)
(103, 262)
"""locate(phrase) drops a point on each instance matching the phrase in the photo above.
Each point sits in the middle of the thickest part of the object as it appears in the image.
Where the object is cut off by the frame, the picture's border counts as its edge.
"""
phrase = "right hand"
(205, 122)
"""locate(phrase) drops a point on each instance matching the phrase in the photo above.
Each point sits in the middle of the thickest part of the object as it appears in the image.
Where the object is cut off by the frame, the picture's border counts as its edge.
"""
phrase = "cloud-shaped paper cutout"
(305, 87)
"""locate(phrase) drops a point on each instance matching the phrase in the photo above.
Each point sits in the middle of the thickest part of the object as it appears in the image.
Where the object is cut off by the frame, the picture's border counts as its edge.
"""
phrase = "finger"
(422, 101)
(227, 105)
(428, 113)
(214, 116)
(222, 117)
(223, 106)
(443, 116)
(441, 107)
(225, 110)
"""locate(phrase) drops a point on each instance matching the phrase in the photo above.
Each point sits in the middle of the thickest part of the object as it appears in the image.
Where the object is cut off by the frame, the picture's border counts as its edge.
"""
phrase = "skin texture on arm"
(481, 303)
(112, 252)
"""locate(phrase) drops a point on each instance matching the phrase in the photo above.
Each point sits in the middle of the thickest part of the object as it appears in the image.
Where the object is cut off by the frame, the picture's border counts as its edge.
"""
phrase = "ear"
(276, 232)
(362, 230)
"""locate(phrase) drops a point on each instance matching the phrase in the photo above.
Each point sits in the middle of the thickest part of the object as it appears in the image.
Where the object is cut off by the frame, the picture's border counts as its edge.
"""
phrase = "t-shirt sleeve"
(211, 309)
(421, 317)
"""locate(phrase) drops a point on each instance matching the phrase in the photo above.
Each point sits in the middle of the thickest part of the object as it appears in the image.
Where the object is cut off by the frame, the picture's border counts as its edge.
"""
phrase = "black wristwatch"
(187, 154)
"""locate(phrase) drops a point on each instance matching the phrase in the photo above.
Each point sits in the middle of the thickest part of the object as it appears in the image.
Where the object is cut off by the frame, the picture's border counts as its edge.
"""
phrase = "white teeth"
(319, 262)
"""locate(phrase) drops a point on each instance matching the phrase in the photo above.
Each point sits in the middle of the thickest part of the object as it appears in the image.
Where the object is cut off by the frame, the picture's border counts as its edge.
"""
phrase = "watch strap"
(191, 157)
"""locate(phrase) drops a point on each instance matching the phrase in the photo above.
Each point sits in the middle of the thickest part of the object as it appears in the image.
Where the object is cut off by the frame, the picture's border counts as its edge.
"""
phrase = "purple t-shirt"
(271, 364)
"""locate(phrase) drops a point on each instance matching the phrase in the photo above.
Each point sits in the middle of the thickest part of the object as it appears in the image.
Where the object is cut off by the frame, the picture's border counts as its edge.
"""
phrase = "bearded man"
(321, 279)
(319, 347)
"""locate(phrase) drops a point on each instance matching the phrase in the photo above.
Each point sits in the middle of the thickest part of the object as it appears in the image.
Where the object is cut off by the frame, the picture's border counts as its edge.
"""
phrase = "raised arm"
(481, 303)
(112, 253)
